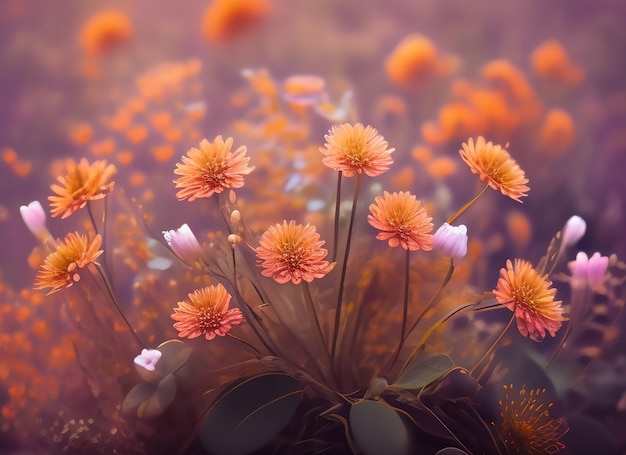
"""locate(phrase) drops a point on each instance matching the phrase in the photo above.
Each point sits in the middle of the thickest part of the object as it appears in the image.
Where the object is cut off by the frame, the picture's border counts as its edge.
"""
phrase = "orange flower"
(84, 182)
(211, 169)
(526, 426)
(355, 149)
(206, 313)
(60, 269)
(290, 252)
(402, 220)
(522, 290)
(495, 166)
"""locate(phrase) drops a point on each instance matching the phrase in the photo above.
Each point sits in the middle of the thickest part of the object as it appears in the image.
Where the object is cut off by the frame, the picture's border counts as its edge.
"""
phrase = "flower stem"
(337, 210)
(492, 347)
(433, 299)
(241, 340)
(97, 269)
(405, 308)
(466, 206)
(313, 315)
(343, 272)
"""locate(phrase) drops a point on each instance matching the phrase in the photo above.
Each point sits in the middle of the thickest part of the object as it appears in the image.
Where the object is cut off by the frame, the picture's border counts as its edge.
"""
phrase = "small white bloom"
(34, 217)
(573, 230)
(451, 241)
(184, 244)
(589, 270)
(148, 359)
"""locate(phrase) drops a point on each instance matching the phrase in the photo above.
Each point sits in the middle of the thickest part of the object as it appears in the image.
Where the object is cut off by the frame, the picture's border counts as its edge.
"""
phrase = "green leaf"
(250, 413)
(423, 371)
(378, 429)
(174, 354)
(137, 395)
(158, 402)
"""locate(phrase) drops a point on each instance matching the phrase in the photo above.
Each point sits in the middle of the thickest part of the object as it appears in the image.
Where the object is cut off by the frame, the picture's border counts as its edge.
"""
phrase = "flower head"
(402, 220)
(211, 168)
(590, 271)
(522, 290)
(184, 244)
(526, 426)
(451, 241)
(355, 149)
(34, 217)
(573, 230)
(292, 252)
(61, 267)
(148, 359)
(495, 166)
(206, 313)
(82, 183)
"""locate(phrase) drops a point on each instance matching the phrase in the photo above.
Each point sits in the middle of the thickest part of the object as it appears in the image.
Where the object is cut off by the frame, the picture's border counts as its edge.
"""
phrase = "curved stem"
(241, 340)
(466, 206)
(343, 272)
(313, 315)
(492, 347)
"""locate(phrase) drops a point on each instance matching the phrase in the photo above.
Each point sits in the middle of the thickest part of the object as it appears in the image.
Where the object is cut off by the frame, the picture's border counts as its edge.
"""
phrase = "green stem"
(343, 272)
(466, 206)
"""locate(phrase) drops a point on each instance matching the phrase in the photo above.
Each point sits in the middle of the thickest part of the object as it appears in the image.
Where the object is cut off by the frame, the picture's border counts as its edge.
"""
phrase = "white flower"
(573, 230)
(148, 359)
(589, 270)
(451, 241)
(185, 245)
(34, 217)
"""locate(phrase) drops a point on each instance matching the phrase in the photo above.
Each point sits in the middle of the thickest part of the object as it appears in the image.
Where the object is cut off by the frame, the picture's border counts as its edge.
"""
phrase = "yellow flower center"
(208, 319)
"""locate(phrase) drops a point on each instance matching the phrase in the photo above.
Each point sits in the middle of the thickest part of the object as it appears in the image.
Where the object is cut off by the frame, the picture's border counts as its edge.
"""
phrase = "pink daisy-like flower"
(522, 290)
(355, 149)
(206, 313)
(402, 221)
(211, 168)
(292, 252)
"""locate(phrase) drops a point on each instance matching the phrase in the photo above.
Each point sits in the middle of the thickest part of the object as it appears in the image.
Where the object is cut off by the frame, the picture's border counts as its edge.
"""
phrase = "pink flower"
(292, 252)
(451, 241)
(148, 359)
(184, 244)
(573, 230)
(591, 270)
(34, 217)
(529, 295)
(206, 313)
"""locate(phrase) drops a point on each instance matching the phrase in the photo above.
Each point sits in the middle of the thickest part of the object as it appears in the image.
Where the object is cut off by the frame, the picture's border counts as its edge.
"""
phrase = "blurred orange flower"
(83, 182)
(522, 290)
(206, 313)
(355, 149)
(60, 268)
(526, 425)
(211, 168)
(290, 252)
(105, 31)
(402, 220)
(495, 166)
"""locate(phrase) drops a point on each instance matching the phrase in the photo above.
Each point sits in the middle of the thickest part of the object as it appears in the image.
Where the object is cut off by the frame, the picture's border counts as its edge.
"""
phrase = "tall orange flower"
(355, 149)
(292, 252)
(495, 167)
(206, 313)
(526, 426)
(522, 290)
(211, 168)
(402, 220)
(84, 182)
(61, 267)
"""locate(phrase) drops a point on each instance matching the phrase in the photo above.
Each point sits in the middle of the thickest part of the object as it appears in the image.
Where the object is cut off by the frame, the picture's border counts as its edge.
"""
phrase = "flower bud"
(591, 270)
(184, 244)
(451, 241)
(34, 217)
(148, 359)
(573, 230)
